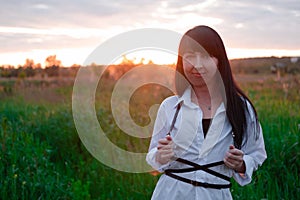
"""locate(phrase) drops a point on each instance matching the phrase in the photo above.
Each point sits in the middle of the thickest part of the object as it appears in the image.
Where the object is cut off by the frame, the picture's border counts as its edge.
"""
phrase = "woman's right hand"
(165, 150)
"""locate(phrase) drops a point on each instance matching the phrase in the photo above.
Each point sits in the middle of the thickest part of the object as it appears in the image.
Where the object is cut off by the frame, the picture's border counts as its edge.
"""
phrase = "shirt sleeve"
(253, 148)
(160, 130)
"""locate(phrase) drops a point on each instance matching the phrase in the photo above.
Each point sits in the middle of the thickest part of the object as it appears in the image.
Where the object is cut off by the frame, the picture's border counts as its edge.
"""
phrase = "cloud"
(60, 23)
(62, 13)
(254, 24)
(21, 40)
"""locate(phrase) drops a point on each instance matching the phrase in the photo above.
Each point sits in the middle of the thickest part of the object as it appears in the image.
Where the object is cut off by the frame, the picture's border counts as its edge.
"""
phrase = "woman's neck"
(202, 93)
(207, 99)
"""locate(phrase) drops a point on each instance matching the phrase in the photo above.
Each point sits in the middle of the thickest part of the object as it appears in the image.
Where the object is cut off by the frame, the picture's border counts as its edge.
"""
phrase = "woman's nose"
(198, 63)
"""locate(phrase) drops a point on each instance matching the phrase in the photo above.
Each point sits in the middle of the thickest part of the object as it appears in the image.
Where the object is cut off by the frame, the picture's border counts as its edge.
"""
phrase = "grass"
(42, 156)
(278, 178)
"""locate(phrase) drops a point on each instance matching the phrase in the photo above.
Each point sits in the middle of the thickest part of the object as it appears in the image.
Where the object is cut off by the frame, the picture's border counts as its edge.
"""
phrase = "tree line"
(53, 68)
(31, 69)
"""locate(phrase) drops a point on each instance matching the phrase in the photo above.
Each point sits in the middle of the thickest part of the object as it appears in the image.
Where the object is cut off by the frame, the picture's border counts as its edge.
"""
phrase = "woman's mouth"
(199, 73)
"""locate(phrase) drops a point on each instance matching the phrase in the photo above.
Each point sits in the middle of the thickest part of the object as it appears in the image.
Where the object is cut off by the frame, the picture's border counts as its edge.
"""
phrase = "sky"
(72, 29)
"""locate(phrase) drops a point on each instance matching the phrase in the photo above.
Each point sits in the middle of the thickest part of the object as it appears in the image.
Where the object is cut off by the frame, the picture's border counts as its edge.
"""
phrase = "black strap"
(174, 118)
(200, 167)
(195, 167)
(198, 183)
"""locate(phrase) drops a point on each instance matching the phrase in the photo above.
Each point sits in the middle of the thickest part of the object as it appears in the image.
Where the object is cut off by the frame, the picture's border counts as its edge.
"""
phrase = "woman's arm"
(253, 148)
(161, 147)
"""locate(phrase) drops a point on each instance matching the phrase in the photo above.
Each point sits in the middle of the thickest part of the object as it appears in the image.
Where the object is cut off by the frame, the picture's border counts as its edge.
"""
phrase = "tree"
(52, 66)
(52, 61)
(126, 61)
(28, 68)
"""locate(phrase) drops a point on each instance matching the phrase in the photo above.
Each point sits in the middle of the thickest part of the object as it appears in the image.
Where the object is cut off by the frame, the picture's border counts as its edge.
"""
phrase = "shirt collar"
(187, 100)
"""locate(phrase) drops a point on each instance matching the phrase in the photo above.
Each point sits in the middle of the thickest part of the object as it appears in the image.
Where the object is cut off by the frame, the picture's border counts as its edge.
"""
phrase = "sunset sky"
(36, 29)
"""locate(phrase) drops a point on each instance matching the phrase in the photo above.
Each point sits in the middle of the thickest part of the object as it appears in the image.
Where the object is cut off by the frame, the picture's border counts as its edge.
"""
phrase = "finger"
(170, 145)
(233, 162)
(164, 147)
(167, 155)
(164, 141)
(236, 152)
(233, 157)
(169, 138)
(230, 164)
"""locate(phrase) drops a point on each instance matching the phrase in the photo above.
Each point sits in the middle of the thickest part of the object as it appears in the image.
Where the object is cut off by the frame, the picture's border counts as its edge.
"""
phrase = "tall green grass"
(279, 114)
(42, 156)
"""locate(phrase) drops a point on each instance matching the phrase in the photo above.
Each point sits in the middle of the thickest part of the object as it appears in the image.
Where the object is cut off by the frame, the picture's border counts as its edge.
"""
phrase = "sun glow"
(70, 56)
(78, 56)
(67, 56)
(234, 53)
(149, 56)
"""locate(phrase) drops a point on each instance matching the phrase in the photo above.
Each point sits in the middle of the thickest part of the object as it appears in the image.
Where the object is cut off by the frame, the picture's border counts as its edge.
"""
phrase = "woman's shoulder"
(170, 101)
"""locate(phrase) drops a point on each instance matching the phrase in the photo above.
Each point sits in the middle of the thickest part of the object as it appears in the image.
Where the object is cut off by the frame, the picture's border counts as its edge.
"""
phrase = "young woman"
(209, 131)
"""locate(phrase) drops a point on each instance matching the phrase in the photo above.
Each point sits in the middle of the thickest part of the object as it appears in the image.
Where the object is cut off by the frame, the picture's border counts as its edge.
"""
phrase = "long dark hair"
(236, 106)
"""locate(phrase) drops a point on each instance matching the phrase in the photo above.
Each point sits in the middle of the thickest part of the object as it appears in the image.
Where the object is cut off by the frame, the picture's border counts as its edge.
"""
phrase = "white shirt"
(191, 145)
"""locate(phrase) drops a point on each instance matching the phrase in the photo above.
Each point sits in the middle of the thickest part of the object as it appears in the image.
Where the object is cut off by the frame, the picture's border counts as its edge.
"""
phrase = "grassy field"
(42, 156)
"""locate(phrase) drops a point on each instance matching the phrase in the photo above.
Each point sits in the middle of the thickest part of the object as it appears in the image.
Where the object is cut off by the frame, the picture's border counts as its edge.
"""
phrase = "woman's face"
(199, 68)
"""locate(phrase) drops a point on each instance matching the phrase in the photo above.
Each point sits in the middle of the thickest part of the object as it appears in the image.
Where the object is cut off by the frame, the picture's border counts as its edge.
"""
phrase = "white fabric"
(191, 145)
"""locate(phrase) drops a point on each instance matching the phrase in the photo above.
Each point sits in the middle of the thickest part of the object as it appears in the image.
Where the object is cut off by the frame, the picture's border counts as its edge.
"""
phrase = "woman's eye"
(192, 58)
(189, 56)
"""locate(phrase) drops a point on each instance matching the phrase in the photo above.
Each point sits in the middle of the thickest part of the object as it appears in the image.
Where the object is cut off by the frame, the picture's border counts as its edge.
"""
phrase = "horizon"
(137, 61)
(71, 31)
(137, 58)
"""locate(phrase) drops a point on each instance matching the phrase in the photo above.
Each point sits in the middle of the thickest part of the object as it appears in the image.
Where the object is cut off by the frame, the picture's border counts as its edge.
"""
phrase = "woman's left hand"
(234, 159)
